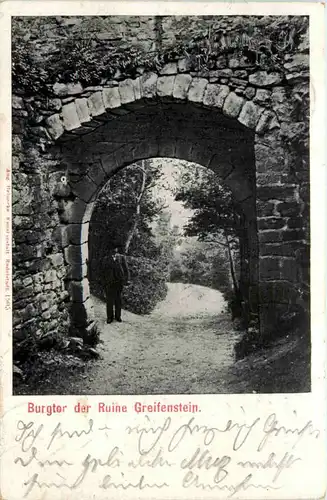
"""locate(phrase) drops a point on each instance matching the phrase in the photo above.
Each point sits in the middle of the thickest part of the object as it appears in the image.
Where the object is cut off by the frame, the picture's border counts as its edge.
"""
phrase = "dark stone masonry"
(247, 124)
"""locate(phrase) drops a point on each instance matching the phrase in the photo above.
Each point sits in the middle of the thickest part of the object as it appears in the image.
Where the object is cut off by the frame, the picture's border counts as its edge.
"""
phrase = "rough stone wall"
(58, 136)
(39, 292)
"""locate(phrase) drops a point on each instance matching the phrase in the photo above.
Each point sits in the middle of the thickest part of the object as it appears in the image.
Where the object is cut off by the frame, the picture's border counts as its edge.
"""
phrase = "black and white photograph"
(160, 204)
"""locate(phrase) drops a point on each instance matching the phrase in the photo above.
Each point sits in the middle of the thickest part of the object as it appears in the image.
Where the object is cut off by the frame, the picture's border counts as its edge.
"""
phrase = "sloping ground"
(185, 299)
(283, 367)
(186, 346)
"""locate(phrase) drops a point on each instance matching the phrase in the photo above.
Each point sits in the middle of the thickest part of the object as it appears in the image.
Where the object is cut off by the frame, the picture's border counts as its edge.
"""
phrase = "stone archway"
(171, 116)
(236, 128)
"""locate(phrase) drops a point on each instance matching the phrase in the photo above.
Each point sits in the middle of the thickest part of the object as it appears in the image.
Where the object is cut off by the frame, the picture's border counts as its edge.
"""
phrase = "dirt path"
(184, 347)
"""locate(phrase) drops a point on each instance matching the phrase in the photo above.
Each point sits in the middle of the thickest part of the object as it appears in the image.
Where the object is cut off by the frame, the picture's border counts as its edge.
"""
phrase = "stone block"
(82, 313)
(27, 281)
(169, 69)
(269, 268)
(262, 96)
(17, 102)
(70, 116)
(46, 315)
(249, 92)
(238, 82)
(293, 78)
(272, 223)
(271, 177)
(289, 269)
(165, 86)
(167, 147)
(240, 188)
(137, 89)
(267, 120)
(232, 105)
(79, 290)
(124, 156)
(50, 276)
(293, 235)
(82, 110)
(111, 98)
(238, 62)
(77, 271)
(29, 312)
(67, 89)
(220, 73)
(78, 211)
(17, 145)
(25, 292)
(38, 278)
(270, 236)
(54, 104)
(269, 159)
(148, 83)
(223, 168)
(202, 156)
(55, 126)
(293, 131)
(44, 305)
(183, 149)
(184, 65)
(297, 63)
(265, 79)
(281, 104)
(76, 254)
(78, 233)
(96, 104)
(181, 85)
(126, 91)
(57, 260)
(85, 189)
(215, 95)
(280, 248)
(197, 89)
(276, 192)
(96, 173)
(295, 223)
(108, 163)
(275, 292)
(250, 114)
(141, 151)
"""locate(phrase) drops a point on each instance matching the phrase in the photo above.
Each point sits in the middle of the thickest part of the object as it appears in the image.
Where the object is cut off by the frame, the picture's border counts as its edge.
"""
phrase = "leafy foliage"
(78, 55)
(148, 285)
(262, 40)
(201, 264)
(216, 217)
(112, 220)
(216, 214)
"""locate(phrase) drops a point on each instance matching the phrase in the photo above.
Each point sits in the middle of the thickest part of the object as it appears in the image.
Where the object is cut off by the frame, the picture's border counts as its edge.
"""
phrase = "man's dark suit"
(116, 276)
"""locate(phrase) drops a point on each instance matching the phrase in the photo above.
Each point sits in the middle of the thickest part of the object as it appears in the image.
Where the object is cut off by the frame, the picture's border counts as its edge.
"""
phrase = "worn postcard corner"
(162, 250)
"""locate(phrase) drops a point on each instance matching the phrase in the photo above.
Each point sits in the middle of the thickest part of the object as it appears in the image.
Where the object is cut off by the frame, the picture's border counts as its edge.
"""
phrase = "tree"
(216, 218)
(201, 263)
(166, 237)
(138, 202)
(123, 216)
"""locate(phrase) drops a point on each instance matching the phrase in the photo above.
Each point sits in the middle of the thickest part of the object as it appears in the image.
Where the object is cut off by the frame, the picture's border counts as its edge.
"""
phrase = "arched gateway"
(236, 122)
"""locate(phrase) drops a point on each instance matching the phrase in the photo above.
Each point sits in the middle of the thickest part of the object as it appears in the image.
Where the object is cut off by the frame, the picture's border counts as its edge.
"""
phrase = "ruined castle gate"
(237, 121)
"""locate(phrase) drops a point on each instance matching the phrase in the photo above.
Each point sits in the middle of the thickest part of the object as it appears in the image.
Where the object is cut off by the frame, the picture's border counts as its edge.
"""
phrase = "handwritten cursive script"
(231, 456)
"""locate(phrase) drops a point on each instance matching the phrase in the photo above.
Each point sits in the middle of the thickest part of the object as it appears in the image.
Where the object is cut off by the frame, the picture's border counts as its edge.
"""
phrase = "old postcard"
(163, 250)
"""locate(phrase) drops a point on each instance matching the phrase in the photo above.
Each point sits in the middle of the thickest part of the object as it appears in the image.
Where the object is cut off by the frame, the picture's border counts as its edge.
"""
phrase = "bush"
(147, 285)
(147, 288)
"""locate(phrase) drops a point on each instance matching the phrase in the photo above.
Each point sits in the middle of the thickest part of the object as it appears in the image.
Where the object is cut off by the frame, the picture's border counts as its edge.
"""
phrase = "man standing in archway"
(116, 276)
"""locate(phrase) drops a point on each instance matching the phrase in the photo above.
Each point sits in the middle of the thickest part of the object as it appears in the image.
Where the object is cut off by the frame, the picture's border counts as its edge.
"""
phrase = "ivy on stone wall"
(80, 56)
